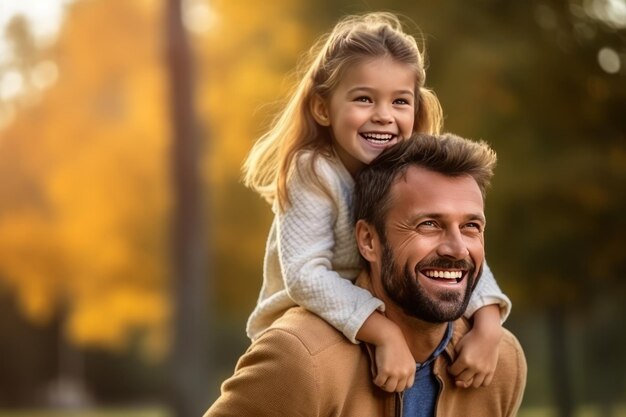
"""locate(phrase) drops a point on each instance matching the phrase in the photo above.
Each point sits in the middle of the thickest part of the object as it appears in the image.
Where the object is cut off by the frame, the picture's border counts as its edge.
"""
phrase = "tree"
(190, 350)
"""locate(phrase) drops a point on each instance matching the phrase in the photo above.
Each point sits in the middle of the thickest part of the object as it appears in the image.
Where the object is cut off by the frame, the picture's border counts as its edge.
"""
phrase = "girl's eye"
(401, 101)
(363, 99)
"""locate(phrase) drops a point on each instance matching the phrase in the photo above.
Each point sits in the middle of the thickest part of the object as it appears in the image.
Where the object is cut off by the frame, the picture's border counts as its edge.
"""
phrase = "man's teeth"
(384, 137)
(444, 274)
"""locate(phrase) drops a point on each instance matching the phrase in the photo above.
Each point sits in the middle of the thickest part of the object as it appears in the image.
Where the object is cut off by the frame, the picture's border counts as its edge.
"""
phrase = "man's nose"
(453, 245)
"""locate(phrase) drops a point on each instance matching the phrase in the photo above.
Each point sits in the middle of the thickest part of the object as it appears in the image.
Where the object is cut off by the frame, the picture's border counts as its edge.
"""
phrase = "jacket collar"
(461, 327)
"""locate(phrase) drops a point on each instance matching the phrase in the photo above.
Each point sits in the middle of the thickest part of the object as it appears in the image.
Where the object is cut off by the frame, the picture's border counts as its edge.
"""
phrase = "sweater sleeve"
(307, 233)
(488, 292)
(274, 378)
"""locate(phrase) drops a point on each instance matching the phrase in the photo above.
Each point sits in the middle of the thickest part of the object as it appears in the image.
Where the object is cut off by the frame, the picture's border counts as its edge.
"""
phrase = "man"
(420, 231)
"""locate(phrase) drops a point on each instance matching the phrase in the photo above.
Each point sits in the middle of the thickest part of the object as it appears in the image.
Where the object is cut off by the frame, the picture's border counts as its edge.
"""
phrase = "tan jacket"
(302, 366)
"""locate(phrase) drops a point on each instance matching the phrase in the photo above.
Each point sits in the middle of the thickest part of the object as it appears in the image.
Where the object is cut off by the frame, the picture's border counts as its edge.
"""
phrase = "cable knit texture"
(311, 257)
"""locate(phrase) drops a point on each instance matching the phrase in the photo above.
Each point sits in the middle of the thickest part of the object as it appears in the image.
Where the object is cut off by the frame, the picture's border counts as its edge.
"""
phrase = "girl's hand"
(478, 351)
(395, 366)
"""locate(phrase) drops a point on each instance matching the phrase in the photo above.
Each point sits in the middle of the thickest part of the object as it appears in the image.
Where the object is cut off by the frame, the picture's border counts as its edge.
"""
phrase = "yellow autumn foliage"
(31, 262)
(85, 196)
(91, 165)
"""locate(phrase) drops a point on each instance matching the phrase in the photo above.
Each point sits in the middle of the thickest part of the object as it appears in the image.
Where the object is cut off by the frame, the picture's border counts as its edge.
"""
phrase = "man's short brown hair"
(446, 154)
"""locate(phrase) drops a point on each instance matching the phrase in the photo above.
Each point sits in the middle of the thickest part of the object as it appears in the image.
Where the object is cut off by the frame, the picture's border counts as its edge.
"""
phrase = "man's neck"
(422, 337)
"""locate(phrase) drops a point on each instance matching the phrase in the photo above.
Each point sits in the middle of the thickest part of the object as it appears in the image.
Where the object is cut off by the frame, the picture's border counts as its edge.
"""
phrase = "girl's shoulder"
(325, 167)
(318, 178)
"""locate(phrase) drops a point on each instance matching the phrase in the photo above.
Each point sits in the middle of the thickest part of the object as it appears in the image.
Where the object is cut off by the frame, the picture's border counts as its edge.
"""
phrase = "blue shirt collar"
(442, 346)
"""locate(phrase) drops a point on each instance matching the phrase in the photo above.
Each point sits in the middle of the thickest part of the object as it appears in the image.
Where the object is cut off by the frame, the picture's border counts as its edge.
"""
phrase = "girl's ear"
(319, 109)
(366, 240)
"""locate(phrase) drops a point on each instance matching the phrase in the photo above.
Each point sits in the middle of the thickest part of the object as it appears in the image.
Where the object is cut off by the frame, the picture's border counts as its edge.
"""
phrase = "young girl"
(362, 91)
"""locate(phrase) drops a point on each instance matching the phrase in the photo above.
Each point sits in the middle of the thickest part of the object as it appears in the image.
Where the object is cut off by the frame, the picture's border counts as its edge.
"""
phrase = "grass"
(584, 411)
(104, 412)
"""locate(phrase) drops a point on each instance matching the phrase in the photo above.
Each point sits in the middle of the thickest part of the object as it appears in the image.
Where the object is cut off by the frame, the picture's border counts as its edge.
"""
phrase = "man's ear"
(319, 109)
(366, 240)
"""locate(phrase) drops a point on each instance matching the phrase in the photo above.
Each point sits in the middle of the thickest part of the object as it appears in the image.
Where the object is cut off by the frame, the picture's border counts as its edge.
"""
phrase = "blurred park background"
(131, 255)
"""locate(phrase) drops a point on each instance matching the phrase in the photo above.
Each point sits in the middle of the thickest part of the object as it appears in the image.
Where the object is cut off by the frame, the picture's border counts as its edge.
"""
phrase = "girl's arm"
(478, 349)
(395, 365)
(487, 292)
(315, 235)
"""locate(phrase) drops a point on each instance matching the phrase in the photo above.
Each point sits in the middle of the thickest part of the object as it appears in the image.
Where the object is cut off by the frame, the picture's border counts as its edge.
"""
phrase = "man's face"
(433, 248)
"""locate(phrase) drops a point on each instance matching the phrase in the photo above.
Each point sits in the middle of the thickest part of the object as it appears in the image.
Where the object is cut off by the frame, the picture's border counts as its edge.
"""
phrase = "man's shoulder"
(509, 341)
(512, 354)
(300, 366)
(309, 330)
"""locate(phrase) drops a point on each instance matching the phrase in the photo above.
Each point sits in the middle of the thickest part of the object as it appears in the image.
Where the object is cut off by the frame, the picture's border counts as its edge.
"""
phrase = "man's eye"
(476, 226)
(427, 223)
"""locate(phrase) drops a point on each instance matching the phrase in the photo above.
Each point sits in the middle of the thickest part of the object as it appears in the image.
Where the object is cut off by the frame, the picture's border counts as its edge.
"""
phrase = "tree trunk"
(190, 353)
(559, 360)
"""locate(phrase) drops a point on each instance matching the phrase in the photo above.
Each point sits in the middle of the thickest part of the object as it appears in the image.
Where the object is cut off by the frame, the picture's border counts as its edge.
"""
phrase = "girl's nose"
(382, 115)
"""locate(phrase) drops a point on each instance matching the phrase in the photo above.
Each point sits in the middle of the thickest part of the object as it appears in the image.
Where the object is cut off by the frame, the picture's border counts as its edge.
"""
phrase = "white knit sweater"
(311, 258)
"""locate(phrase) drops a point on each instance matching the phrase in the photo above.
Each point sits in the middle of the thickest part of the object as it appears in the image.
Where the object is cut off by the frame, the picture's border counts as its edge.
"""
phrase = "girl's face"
(372, 107)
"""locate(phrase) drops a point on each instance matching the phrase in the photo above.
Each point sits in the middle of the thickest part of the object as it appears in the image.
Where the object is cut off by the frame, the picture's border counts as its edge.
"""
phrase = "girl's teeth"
(378, 136)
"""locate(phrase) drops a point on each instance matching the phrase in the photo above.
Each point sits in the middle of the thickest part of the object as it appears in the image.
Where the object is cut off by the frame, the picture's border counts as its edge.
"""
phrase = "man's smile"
(444, 275)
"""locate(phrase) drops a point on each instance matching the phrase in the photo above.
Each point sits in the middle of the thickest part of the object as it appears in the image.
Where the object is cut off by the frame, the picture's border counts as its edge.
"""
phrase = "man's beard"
(405, 291)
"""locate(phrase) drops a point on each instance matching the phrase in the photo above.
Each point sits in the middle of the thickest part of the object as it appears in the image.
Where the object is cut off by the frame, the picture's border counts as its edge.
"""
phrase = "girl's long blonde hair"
(270, 162)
